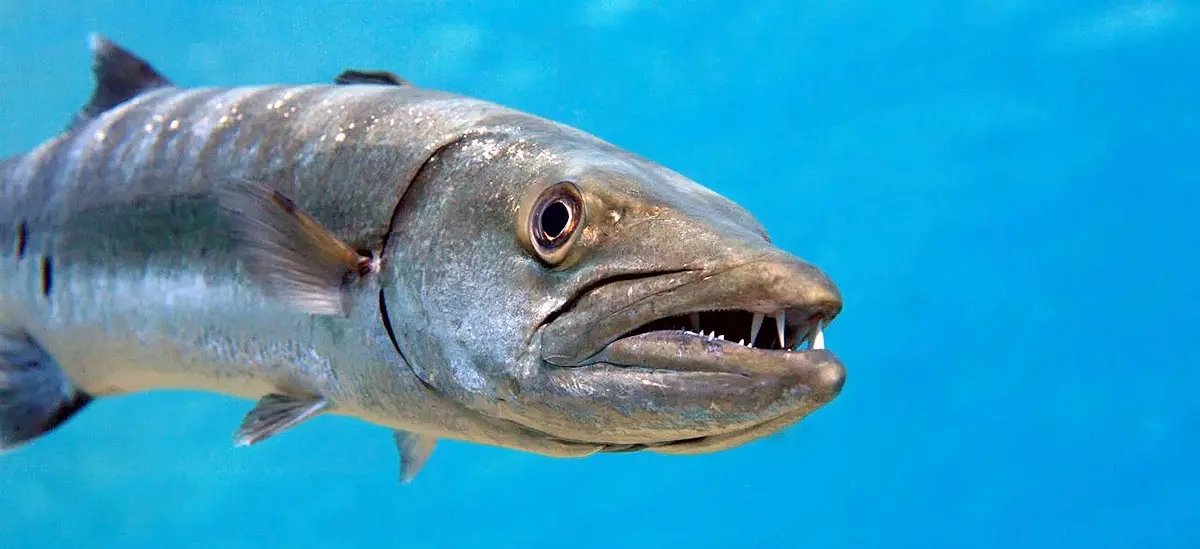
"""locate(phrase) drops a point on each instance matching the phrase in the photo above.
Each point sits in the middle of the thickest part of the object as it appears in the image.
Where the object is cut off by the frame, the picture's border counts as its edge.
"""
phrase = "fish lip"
(683, 351)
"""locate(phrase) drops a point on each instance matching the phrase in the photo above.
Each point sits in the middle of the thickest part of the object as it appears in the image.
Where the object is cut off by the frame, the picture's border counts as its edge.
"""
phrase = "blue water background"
(1005, 190)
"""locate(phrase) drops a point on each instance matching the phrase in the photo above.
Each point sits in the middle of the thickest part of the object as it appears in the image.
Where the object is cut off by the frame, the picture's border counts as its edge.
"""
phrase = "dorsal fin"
(353, 76)
(120, 76)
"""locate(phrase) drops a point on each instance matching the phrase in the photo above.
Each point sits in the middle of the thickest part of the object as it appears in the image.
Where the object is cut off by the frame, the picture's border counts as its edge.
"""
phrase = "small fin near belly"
(35, 395)
(275, 414)
(414, 452)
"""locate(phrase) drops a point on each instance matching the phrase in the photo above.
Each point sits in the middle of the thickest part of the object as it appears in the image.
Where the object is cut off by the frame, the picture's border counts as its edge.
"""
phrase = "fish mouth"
(789, 353)
(692, 361)
(721, 341)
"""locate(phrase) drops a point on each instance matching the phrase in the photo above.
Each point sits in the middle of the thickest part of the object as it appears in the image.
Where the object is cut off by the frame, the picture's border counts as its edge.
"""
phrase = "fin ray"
(120, 76)
(35, 395)
(354, 76)
(274, 414)
(414, 451)
(287, 252)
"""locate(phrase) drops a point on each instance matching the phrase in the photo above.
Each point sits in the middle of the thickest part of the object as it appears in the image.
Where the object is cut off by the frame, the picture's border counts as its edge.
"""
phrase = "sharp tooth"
(721, 337)
(780, 319)
(741, 342)
(818, 338)
(754, 326)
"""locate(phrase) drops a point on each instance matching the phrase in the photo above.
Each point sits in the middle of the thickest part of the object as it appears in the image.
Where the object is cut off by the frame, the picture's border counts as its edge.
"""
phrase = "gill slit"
(416, 178)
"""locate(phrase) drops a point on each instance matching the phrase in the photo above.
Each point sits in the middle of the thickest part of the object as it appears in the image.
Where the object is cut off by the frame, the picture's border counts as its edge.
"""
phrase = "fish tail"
(35, 394)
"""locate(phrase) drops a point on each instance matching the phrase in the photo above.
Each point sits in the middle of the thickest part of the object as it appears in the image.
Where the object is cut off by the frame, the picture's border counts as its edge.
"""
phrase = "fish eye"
(553, 220)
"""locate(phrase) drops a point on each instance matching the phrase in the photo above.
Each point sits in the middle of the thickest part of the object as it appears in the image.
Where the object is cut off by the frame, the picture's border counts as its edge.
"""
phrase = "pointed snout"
(781, 281)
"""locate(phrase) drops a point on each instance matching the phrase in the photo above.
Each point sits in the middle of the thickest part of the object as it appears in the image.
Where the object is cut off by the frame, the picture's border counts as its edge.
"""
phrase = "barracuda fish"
(438, 265)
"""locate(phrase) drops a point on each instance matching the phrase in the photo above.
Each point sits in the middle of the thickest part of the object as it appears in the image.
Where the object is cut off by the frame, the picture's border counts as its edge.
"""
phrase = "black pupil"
(554, 219)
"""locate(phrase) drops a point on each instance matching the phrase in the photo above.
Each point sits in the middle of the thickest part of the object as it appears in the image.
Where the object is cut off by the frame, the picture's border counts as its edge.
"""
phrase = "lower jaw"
(727, 441)
(553, 446)
(816, 381)
(732, 439)
(703, 444)
(716, 443)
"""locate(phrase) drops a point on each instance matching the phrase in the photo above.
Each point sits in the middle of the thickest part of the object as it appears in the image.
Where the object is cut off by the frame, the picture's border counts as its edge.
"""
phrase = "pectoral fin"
(414, 451)
(275, 414)
(288, 253)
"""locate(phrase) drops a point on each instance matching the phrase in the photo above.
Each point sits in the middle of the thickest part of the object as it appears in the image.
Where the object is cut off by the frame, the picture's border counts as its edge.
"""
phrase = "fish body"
(436, 264)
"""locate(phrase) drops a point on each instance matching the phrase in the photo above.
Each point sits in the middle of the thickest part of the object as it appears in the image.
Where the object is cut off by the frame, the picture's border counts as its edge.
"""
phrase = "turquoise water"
(1006, 192)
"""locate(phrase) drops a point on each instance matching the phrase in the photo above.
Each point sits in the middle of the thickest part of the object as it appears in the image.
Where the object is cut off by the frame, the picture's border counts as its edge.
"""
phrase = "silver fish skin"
(439, 265)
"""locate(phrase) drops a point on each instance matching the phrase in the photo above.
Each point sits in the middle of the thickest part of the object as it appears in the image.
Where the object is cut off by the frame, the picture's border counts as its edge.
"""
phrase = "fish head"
(576, 292)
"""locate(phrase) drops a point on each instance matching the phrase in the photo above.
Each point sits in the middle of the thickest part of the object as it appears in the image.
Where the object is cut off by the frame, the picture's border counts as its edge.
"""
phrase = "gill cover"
(481, 251)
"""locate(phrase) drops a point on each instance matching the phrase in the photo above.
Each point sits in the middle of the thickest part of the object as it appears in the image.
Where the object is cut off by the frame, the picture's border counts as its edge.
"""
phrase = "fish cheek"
(446, 327)
(460, 293)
